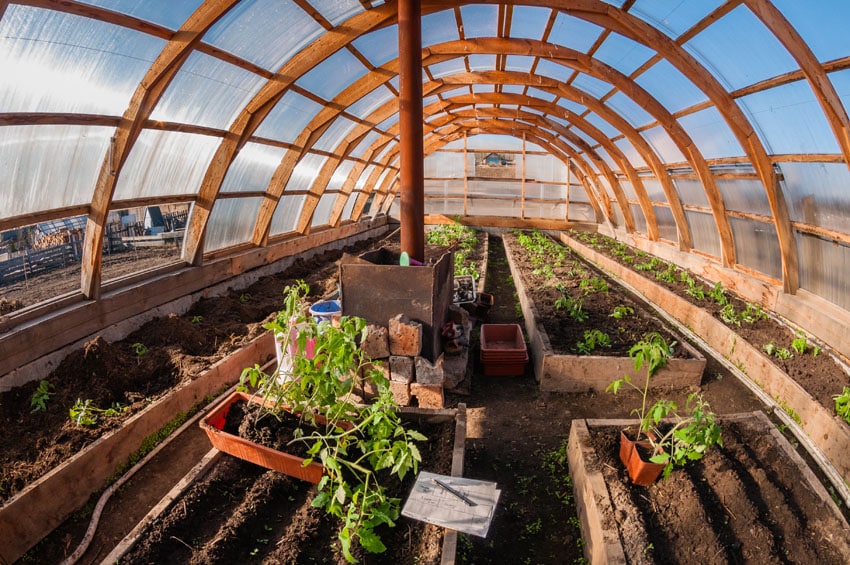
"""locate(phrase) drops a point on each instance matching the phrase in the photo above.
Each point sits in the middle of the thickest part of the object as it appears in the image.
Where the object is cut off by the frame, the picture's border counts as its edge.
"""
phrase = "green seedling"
(244, 298)
(842, 404)
(573, 307)
(596, 284)
(729, 315)
(718, 294)
(592, 339)
(38, 400)
(800, 343)
(778, 352)
(753, 313)
(140, 349)
(84, 413)
(197, 319)
(621, 312)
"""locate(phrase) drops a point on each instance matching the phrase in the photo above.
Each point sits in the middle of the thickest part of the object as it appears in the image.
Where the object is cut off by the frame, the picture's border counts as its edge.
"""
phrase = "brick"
(428, 396)
(367, 387)
(428, 373)
(401, 369)
(376, 344)
(405, 336)
(455, 369)
(401, 393)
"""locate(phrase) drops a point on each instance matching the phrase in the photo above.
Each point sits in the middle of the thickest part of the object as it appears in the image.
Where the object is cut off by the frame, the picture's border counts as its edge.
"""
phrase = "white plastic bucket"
(325, 310)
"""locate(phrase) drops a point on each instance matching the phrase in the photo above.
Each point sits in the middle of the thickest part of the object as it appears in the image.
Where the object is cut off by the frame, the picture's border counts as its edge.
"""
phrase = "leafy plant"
(197, 319)
(244, 298)
(592, 339)
(596, 284)
(650, 265)
(842, 404)
(800, 343)
(675, 439)
(753, 313)
(778, 352)
(573, 306)
(668, 275)
(718, 294)
(729, 315)
(621, 312)
(359, 445)
(140, 349)
(85, 413)
(38, 400)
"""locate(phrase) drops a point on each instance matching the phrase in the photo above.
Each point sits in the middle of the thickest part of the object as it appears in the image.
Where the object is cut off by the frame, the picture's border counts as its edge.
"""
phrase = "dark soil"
(565, 332)
(240, 513)
(820, 375)
(741, 503)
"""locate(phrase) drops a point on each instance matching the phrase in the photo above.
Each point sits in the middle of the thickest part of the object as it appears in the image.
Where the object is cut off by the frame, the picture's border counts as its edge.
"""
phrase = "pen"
(457, 493)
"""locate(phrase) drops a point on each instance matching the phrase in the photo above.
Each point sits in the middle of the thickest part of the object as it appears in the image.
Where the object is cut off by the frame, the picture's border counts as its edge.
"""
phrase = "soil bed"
(243, 513)
(743, 503)
(544, 288)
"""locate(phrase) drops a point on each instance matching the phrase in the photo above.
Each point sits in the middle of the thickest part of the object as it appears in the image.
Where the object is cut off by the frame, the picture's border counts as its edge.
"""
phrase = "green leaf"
(340, 494)
(370, 541)
(413, 434)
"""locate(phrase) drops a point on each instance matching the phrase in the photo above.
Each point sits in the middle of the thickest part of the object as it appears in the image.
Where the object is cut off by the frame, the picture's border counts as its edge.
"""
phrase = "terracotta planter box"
(248, 450)
(503, 350)
(580, 373)
(827, 436)
(34, 512)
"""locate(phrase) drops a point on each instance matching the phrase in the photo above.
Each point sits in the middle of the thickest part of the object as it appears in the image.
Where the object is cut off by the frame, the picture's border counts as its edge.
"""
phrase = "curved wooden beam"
(144, 99)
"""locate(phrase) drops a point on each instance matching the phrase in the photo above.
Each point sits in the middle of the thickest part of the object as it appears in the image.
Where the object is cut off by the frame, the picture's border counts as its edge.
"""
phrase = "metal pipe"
(412, 173)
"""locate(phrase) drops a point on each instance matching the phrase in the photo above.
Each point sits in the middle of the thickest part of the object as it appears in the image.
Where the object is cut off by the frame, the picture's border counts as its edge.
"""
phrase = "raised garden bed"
(819, 423)
(267, 505)
(755, 500)
(561, 371)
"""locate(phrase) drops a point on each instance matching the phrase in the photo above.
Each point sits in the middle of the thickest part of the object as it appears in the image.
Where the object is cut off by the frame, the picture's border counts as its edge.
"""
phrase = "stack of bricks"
(398, 349)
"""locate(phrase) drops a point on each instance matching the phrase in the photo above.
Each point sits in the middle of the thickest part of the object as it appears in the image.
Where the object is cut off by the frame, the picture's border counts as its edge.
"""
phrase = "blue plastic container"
(325, 310)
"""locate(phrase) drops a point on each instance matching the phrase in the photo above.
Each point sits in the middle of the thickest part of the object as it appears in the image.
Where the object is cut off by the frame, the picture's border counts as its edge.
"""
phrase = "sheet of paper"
(432, 503)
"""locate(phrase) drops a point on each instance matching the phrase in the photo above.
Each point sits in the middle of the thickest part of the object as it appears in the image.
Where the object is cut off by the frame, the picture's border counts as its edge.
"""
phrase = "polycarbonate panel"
(365, 144)
(340, 175)
(673, 17)
(740, 51)
(578, 194)
(46, 167)
(519, 63)
(207, 92)
(286, 214)
(654, 190)
(322, 213)
(691, 192)
(54, 62)
(489, 207)
(252, 31)
(164, 163)
(711, 135)
(640, 220)
(364, 107)
(635, 158)
(663, 145)
(513, 88)
(703, 232)
(444, 164)
(744, 195)
(231, 222)
(481, 62)
(553, 70)
(490, 142)
(603, 125)
(529, 22)
(495, 188)
(348, 208)
(756, 246)
(789, 119)
(574, 33)
(614, 165)
(628, 189)
(167, 13)
(824, 265)
(438, 27)
(572, 106)
(629, 109)
(379, 46)
(479, 21)
(253, 168)
(841, 82)
(666, 224)
(388, 123)
(670, 87)
(483, 88)
(435, 187)
(447, 68)
(288, 118)
(462, 91)
(592, 85)
(545, 168)
(305, 172)
(547, 210)
(364, 177)
(546, 191)
(334, 135)
(449, 207)
(822, 25)
(622, 53)
(337, 11)
(817, 194)
(344, 67)
(591, 142)
(617, 220)
(581, 212)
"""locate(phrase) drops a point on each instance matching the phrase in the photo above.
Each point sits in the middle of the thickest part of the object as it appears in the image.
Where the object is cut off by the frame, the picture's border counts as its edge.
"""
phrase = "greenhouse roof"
(718, 127)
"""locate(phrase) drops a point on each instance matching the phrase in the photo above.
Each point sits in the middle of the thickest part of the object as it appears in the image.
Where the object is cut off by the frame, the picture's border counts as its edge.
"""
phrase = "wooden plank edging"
(826, 430)
(34, 512)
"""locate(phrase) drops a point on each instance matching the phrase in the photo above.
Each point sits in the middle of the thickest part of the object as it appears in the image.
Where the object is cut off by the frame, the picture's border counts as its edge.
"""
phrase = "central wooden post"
(412, 173)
